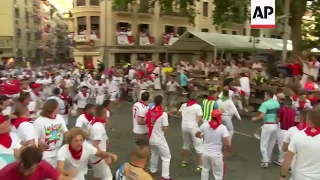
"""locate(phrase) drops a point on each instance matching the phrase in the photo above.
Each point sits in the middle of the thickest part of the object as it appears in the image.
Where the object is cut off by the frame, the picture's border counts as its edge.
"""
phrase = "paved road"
(242, 164)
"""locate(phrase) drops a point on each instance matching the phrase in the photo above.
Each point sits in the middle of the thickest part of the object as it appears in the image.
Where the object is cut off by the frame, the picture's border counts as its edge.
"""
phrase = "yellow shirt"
(135, 173)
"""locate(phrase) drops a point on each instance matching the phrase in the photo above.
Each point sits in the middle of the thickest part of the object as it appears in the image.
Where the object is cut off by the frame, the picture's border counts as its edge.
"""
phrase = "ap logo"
(263, 14)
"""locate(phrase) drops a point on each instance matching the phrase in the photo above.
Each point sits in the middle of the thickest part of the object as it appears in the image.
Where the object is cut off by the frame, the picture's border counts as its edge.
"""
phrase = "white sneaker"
(257, 136)
(264, 165)
(246, 110)
(278, 162)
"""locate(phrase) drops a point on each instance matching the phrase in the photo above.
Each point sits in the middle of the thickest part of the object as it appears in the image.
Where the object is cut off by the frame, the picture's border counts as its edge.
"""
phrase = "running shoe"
(278, 162)
(257, 136)
(199, 169)
(183, 164)
(264, 165)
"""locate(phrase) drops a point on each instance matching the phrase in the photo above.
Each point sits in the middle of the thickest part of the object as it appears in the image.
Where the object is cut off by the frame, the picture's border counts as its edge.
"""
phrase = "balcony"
(36, 19)
(37, 35)
(178, 13)
(145, 10)
(146, 40)
(124, 39)
(5, 43)
(36, 3)
(18, 32)
(168, 40)
(85, 41)
(122, 9)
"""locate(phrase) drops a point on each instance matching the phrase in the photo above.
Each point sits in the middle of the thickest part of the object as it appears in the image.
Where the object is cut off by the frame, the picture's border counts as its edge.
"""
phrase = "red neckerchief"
(214, 124)
(16, 123)
(313, 99)
(5, 140)
(191, 102)
(36, 93)
(143, 103)
(312, 131)
(60, 86)
(302, 104)
(64, 97)
(301, 126)
(152, 116)
(172, 82)
(211, 98)
(95, 120)
(100, 83)
(295, 97)
(84, 94)
(314, 62)
(88, 116)
(76, 154)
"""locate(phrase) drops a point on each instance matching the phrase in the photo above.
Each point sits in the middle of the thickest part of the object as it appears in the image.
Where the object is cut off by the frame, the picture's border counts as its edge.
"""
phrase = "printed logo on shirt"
(53, 135)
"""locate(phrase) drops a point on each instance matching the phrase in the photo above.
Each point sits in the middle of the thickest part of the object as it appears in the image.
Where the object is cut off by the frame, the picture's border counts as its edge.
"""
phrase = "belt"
(270, 123)
(97, 161)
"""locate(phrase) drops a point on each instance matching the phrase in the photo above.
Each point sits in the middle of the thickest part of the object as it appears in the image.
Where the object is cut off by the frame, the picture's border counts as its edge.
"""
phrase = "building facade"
(101, 31)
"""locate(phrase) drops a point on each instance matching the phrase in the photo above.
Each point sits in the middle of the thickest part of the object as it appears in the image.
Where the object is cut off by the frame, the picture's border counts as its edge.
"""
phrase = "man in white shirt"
(101, 89)
(157, 122)
(215, 145)
(305, 146)
(245, 89)
(191, 113)
(131, 74)
(139, 112)
(171, 93)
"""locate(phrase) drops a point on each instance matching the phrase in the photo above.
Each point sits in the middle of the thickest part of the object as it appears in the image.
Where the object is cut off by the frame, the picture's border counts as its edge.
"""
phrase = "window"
(95, 2)
(81, 2)
(95, 28)
(224, 31)
(272, 36)
(181, 30)
(29, 53)
(119, 57)
(279, 37)
(205, 9)
(28, 36)
(204, 30)
(82, 28)
(169, 29)
(18, 32)
(19, 52)
(244, 31)
(234, 32)
(17, 12)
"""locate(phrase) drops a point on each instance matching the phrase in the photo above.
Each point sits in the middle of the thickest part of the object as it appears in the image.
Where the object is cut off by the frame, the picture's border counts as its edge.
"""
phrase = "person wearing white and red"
(310, 85)
(99, 139)
(139, 111)
(22, 126)
(191, 113)
(310, 68)
(101, 89)
(245, 89)
(82, 98)
(25, 99)
(35, 94)
(68, 103)
(84, 119)
(157, 122)
(216, 144)
(305, 147)
(50, 128)
(76, 153)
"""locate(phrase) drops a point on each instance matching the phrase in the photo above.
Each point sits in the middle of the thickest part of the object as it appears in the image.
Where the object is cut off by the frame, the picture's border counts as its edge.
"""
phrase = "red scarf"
(16, 123)
(88, 116)
(152, 116)
(295, 97)
(100, 83)
(84, 94)
(36, 93)
(5, 140)
(143, 103)
(60, 86)
(312, 131)
(95, 120)
(302, 104)
(191, 102)
(301, 126)
(76, 154)
(211, 98)
(214, 124)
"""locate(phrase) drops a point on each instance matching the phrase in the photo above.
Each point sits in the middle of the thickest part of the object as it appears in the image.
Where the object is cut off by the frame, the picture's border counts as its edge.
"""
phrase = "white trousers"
(281, 135)
(188, 136)
(102, 171)
(269, 136)
(298, 176)
(66, 118)
(162, 151)
(227, 121)
(100, 99)
(113, 96)
(215, 162)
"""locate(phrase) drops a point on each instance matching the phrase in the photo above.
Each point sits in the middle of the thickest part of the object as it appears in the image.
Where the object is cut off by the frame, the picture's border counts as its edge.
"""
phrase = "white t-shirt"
(25, 131)
(14, 145)
(190, 114)
(157, 83)
(307, 151)
(82, 122)
(213, 139)
(139, 110)
(131, 74)
(81, 99)
(142, 85)
(172, 86)
(81, 165)
(101, 89)
(157, 135)
(97, 132)
(315, 71)
(291, 132)
(245, 84)
(50, 131)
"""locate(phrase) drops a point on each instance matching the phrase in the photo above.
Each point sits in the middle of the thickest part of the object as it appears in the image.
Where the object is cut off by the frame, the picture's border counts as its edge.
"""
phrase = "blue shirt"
(183, 79)
(270, 109)
(62, 105)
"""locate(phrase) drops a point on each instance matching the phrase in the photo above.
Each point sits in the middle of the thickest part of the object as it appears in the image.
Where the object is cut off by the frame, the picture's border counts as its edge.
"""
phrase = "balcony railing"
(122, 8)
(81, 38)
(146, 40)
(145, 10)
(170, 12)
(123, 39)
(167, 40)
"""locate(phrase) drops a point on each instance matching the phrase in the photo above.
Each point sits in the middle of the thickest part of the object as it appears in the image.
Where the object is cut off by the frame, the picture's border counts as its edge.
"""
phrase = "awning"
(202, 41)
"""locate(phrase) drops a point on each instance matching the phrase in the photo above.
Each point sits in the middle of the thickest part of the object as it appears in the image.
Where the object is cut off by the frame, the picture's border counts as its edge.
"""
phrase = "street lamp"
(254, 41)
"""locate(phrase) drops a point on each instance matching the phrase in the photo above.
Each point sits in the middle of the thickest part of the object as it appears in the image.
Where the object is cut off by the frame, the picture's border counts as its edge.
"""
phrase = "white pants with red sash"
(189, 138)
(269, 135)
(100, 169)
(163, 151)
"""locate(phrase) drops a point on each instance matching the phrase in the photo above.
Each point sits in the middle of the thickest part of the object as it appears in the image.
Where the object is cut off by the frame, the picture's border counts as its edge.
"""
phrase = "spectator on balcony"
(82, 32)
(129, 32)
